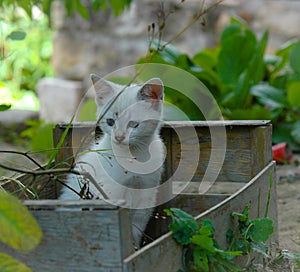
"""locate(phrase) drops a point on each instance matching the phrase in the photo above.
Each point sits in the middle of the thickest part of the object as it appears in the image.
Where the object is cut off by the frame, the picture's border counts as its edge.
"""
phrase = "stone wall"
(105, 43)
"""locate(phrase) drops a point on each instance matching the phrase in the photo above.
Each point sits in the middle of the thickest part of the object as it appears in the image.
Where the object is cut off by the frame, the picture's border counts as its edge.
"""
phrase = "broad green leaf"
(269, 96)
(262, 229)
(4, 107)
(70, 6)
(207, 58)
(17, 35)
(169, 53)
(254, 113)
(81, 9)
(9, 264)
(42, 138)
(241, 90)
(97, 4)
(295, 58)
(206, 226)
(295, 133)
(286, 48)
(293, 93)
(256, 70)
(200, 260)
(119, 6)
(183, 225)
(205, 242)
(237, 49)
(46, 6)
(18, 227)
(282, 133)
(26, 5)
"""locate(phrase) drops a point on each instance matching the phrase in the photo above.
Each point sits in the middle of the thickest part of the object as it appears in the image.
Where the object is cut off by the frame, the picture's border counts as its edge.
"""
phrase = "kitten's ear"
(104, 89)
(152, 90)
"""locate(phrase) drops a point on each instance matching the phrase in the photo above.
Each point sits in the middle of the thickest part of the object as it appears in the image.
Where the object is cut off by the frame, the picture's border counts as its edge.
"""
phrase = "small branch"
(40, 172)
(194, 20)
(94, 182)
(25, 154)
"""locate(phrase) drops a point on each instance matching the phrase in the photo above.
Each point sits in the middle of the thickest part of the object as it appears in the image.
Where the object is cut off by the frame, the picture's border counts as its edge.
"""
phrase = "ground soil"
(288, 194)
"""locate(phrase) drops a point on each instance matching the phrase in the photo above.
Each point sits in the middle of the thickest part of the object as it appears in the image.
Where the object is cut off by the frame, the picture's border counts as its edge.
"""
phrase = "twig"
(40, 172)
(94, 182)
(25, 154)
(194, 20)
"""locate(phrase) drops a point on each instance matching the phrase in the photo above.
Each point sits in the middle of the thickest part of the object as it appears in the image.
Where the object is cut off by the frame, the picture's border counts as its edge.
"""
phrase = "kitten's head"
(135, 115)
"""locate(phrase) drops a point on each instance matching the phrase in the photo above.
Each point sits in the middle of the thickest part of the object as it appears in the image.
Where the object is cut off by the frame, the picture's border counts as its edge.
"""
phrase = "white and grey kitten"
(129, 157)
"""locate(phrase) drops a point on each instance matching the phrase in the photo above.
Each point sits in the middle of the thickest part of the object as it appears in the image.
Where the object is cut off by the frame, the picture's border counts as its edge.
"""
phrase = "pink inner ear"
(155, 92)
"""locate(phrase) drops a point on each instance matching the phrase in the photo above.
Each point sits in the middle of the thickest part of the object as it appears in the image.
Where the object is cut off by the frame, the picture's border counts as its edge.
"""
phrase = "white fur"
(129, 160)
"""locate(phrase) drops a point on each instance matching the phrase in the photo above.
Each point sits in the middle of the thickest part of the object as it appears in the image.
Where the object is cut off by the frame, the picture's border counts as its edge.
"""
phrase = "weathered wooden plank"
(43, 186)
(157, 255)
(247, 148)
(79, 240)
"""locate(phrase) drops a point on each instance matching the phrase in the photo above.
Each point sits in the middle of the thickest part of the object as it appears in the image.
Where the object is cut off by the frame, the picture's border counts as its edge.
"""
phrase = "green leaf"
(200, 260)
(255, 113)
(82, 10)
(293, 93)
(26, 5)
(4, 107)
(16, 36)
(18, 227)
(204, 241)
(9, 264)
(241, 90)
(42, 138)
(207, 58)
(256, 70)
(169, 53)
(295, 58)
(269, 96)
(282, 133)
(183, 225)
(262, 229)
(244, 215)
(295, 133)
(119, 6)
(97, 4)
(59, 144)
(238, 47)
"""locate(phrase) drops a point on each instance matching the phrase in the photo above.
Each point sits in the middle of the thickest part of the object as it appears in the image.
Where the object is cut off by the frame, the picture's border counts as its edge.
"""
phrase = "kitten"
(130, 153)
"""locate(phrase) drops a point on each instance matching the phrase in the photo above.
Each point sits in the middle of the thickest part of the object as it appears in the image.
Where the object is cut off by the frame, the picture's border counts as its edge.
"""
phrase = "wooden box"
(94, 236)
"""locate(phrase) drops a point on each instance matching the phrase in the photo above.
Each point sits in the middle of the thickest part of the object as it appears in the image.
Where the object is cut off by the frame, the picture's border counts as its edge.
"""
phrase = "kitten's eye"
(110, 122)
(133, 124)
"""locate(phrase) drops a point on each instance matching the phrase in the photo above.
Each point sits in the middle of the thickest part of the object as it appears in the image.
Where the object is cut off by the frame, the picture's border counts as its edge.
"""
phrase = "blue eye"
(133, 124)
(110, 122)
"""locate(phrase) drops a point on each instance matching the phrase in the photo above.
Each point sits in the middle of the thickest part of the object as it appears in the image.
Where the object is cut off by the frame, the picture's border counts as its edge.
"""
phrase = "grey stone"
(59, 99)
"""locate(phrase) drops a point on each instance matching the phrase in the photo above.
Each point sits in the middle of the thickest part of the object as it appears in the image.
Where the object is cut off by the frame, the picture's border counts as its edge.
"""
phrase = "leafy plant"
(202, 250)
(19, 230)
(40, 135)
(250, 234)
(246, 83)
(26, 47)
(71, 6)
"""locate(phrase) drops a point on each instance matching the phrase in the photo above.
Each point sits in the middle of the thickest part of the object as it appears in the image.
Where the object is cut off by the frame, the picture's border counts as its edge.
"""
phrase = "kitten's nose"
(119, 137)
